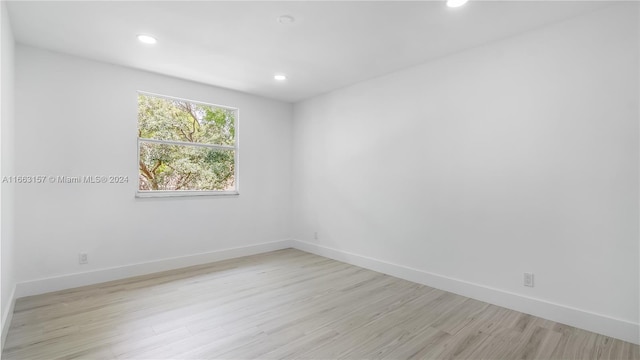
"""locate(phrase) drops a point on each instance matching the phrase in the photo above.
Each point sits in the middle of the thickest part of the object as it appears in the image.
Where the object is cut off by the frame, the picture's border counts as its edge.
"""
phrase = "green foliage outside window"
(181, 165)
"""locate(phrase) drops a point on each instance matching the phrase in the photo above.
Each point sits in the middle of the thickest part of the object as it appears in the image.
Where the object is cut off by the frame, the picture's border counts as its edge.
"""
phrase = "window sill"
(160, 193)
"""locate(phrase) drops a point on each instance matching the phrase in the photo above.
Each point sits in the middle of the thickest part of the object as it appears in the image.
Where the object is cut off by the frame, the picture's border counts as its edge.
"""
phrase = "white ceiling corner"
(240, 44)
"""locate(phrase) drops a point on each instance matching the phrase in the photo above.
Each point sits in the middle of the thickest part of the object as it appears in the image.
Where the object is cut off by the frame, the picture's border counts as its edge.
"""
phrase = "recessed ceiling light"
(280, 77)
(456, 3)
(147, 39)
(286, 19)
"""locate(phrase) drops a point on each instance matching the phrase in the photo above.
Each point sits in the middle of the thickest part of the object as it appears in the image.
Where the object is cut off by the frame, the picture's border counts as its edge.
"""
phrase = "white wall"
(517, 156)
(79, 117)
(521, 155)
(6, 191)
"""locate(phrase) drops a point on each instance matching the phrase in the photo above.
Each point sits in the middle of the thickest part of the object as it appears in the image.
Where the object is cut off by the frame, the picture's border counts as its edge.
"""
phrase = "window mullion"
(185, 143)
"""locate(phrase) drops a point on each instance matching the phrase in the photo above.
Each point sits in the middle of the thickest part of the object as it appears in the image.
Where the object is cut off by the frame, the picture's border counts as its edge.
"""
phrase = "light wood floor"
(285, 304)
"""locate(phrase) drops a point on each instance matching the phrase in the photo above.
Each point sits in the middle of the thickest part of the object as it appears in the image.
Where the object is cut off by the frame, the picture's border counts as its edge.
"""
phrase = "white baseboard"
(62, 282)
(602, 324)
(598, 323)
(7, 317)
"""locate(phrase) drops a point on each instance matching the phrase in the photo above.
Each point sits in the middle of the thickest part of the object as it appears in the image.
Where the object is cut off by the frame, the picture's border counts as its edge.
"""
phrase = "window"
(186, 147)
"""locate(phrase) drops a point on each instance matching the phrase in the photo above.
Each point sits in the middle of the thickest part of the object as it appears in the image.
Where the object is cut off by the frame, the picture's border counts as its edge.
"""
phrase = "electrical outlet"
(83, 258)
(528, 279)
(315, 235)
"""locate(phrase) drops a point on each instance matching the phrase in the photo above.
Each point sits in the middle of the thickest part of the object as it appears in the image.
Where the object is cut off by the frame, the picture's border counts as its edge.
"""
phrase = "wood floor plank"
(286, 304)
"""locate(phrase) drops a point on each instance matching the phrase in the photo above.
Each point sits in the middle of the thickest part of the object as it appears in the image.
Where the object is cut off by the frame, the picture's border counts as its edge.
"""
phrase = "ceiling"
(240, 44)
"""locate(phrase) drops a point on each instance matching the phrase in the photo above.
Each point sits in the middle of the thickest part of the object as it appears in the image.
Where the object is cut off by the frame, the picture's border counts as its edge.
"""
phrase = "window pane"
(181, 120)
(179, 167)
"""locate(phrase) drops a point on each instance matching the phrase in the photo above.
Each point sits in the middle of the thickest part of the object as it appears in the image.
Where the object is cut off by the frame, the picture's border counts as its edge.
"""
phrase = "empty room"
(443, 179)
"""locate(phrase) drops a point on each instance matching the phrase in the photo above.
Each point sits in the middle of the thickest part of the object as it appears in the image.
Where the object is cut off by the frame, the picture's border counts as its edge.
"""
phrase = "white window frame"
(179, 193)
